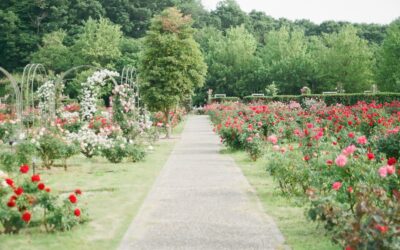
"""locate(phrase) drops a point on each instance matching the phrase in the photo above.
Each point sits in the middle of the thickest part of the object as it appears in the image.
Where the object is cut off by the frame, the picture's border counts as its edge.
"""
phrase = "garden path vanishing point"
(201, 200)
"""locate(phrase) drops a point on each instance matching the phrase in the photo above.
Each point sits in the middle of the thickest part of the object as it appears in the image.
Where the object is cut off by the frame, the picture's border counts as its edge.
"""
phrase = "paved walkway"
(201, 200)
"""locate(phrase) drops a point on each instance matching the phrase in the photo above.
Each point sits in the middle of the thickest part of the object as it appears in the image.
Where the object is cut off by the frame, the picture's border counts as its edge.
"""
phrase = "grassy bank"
(113, 194)
(300, 233)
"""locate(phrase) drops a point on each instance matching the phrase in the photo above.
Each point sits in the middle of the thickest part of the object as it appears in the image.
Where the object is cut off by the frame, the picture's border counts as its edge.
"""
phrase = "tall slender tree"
(172, 65)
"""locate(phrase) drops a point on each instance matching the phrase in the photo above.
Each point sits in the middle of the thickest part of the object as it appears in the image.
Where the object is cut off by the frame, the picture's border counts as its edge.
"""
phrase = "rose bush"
(26, 201)
(342, 159)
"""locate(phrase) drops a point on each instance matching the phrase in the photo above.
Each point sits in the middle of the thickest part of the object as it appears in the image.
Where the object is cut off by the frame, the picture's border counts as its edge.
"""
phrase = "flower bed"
(341, 159)
(54, 133)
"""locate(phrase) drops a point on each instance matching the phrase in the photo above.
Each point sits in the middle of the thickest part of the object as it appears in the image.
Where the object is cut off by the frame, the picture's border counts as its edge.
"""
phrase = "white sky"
(360, 11)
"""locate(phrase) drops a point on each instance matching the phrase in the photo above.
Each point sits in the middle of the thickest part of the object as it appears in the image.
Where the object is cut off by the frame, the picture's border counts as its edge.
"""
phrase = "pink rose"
(362, 140)
(319, 135)
(276, 147)
(337, 185)
(273, 139)
(341, 160)
(390, 169)
(349, 150)
(383, 171)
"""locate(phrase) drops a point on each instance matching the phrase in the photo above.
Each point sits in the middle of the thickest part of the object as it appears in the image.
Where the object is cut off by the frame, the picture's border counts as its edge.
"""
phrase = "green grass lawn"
(112, 194)
(300, 233)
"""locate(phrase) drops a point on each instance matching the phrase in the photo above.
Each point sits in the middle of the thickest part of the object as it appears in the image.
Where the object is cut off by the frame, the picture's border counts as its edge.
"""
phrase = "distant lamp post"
(209, 92)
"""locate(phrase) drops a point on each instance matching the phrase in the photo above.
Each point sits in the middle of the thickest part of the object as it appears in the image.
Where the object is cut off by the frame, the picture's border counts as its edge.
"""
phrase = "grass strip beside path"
(299, 233)
(112, 194)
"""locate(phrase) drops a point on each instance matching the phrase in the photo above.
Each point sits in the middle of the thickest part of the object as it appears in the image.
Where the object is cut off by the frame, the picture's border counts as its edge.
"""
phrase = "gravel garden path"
(201, 200)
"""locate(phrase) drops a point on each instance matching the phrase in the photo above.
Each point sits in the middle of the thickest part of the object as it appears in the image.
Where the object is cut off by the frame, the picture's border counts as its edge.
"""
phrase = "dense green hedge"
(225, 99)
(345, 99)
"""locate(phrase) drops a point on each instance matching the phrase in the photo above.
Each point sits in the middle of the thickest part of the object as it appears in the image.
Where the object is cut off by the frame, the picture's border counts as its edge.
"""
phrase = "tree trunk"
(168, 124)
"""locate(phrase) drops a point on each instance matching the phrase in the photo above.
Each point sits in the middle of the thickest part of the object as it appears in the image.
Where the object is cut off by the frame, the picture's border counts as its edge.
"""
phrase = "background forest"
(245, 52)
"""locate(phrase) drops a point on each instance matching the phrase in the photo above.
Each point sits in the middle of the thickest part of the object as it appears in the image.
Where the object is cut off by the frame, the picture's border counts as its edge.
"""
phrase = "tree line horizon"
(244, 52)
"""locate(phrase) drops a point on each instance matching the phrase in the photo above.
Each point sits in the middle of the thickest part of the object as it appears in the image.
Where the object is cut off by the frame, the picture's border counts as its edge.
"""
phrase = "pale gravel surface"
(201, 200)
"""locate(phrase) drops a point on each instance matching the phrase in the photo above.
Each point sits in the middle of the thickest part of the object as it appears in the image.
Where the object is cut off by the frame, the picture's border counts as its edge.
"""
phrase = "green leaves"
(286, 60)
(98, 44)
(345, 61)
(389, 59)
(54, 54)
(171, 65)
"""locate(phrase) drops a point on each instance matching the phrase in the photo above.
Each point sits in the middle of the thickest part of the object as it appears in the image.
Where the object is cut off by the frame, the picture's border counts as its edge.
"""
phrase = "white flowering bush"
(90, 92)
(120, 148)
(89, 142)
(46, 94)
(116, 150)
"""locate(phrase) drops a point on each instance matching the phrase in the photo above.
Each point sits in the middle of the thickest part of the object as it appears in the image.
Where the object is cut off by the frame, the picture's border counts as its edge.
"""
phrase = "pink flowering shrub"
(342, 159)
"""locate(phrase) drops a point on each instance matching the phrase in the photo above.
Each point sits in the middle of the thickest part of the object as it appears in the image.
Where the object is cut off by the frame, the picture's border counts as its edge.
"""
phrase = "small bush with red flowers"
(340, 160)
(26, 201)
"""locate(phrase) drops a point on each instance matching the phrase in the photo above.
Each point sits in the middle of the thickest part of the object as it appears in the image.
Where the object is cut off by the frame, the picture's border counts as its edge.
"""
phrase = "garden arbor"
(129, 76)
(36, 97)
(24, 92)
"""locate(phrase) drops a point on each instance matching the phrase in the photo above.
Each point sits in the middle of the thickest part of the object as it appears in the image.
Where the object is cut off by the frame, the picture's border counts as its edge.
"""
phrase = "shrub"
(330, 99)
(390, 145)
(27, 202)
(136, 152)
(332, 156)
(224, 99)
(254, 147)
(7, 130)
(21, 153)
(49, 149)
(115, 152)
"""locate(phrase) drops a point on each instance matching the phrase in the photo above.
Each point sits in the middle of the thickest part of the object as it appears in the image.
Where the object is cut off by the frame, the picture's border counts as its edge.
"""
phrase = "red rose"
(35, 178)
(19, 191)
(391, 161)
(24, 169)
(306, 158)
(47, 190)
(371, 156)
(382, 229)
(350, 189)
(329, 162)
(72, 198)
(77, 212)
(351, 135)
(26, 216)
(78, 192)
(41, 186)
(11, 203)
(10, 182)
